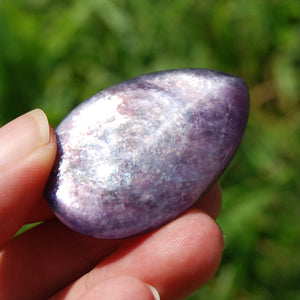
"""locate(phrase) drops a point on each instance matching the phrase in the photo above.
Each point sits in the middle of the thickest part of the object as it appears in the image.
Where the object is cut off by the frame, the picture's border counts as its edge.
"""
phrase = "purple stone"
(142, 152)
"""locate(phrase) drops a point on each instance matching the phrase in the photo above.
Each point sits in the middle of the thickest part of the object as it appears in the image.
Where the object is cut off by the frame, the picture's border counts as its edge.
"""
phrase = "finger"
(212, 202)
(177, 259)
(122, 288)
(27, 152)
(40, 212)
(42, 261)
(47, 258)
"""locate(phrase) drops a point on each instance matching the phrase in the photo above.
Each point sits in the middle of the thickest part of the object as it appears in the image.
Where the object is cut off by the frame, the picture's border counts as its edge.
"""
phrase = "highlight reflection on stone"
(142, 152)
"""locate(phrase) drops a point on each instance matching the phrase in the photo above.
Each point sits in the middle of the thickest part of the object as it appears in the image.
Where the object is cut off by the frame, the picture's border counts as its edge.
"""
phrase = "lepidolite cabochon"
(142, 152)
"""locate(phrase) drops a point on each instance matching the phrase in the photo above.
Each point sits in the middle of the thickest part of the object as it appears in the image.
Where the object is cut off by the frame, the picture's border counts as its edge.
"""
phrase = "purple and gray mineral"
(142, 152)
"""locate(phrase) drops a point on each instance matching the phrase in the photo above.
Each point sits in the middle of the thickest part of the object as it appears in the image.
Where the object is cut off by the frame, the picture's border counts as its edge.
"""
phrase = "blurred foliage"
(54, 54)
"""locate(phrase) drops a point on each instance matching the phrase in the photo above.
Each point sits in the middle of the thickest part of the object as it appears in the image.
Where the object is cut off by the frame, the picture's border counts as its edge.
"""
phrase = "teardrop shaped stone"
(142, 152)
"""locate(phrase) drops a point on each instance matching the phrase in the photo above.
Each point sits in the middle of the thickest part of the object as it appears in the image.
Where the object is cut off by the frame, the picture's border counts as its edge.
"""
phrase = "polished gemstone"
(140, 153)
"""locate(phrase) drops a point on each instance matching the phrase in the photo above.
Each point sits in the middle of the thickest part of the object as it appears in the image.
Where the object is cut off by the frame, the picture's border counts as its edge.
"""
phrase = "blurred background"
(54, 54)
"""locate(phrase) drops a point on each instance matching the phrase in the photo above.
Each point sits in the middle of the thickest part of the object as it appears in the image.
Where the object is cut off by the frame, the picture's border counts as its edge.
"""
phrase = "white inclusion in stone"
(104, 172)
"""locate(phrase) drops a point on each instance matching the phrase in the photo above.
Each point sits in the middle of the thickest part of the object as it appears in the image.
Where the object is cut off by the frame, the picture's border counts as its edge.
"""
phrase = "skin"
(51, 260)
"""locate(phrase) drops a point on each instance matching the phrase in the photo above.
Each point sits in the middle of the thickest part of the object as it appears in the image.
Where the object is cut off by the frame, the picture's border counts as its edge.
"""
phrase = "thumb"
(27, 153)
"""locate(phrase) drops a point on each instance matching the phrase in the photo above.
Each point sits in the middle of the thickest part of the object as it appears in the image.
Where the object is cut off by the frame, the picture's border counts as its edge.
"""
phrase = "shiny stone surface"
(142, 152)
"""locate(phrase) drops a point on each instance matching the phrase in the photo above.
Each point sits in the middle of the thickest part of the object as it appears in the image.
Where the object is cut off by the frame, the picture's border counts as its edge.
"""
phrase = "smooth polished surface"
(142, 152)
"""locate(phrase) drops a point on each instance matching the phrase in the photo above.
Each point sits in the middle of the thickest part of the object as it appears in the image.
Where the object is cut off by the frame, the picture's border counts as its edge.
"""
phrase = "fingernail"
(154, 291)
(22, 136)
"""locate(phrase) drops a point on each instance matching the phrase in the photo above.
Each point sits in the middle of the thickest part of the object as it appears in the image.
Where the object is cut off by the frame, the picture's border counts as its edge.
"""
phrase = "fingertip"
(122, 288)
(197, 244)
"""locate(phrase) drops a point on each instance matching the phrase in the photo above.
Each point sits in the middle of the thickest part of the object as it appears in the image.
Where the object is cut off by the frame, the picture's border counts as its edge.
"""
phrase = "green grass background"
(54, 54)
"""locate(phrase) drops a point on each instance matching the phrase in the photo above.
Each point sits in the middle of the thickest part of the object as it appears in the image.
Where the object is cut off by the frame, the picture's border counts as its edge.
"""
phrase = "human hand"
(52, 260)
